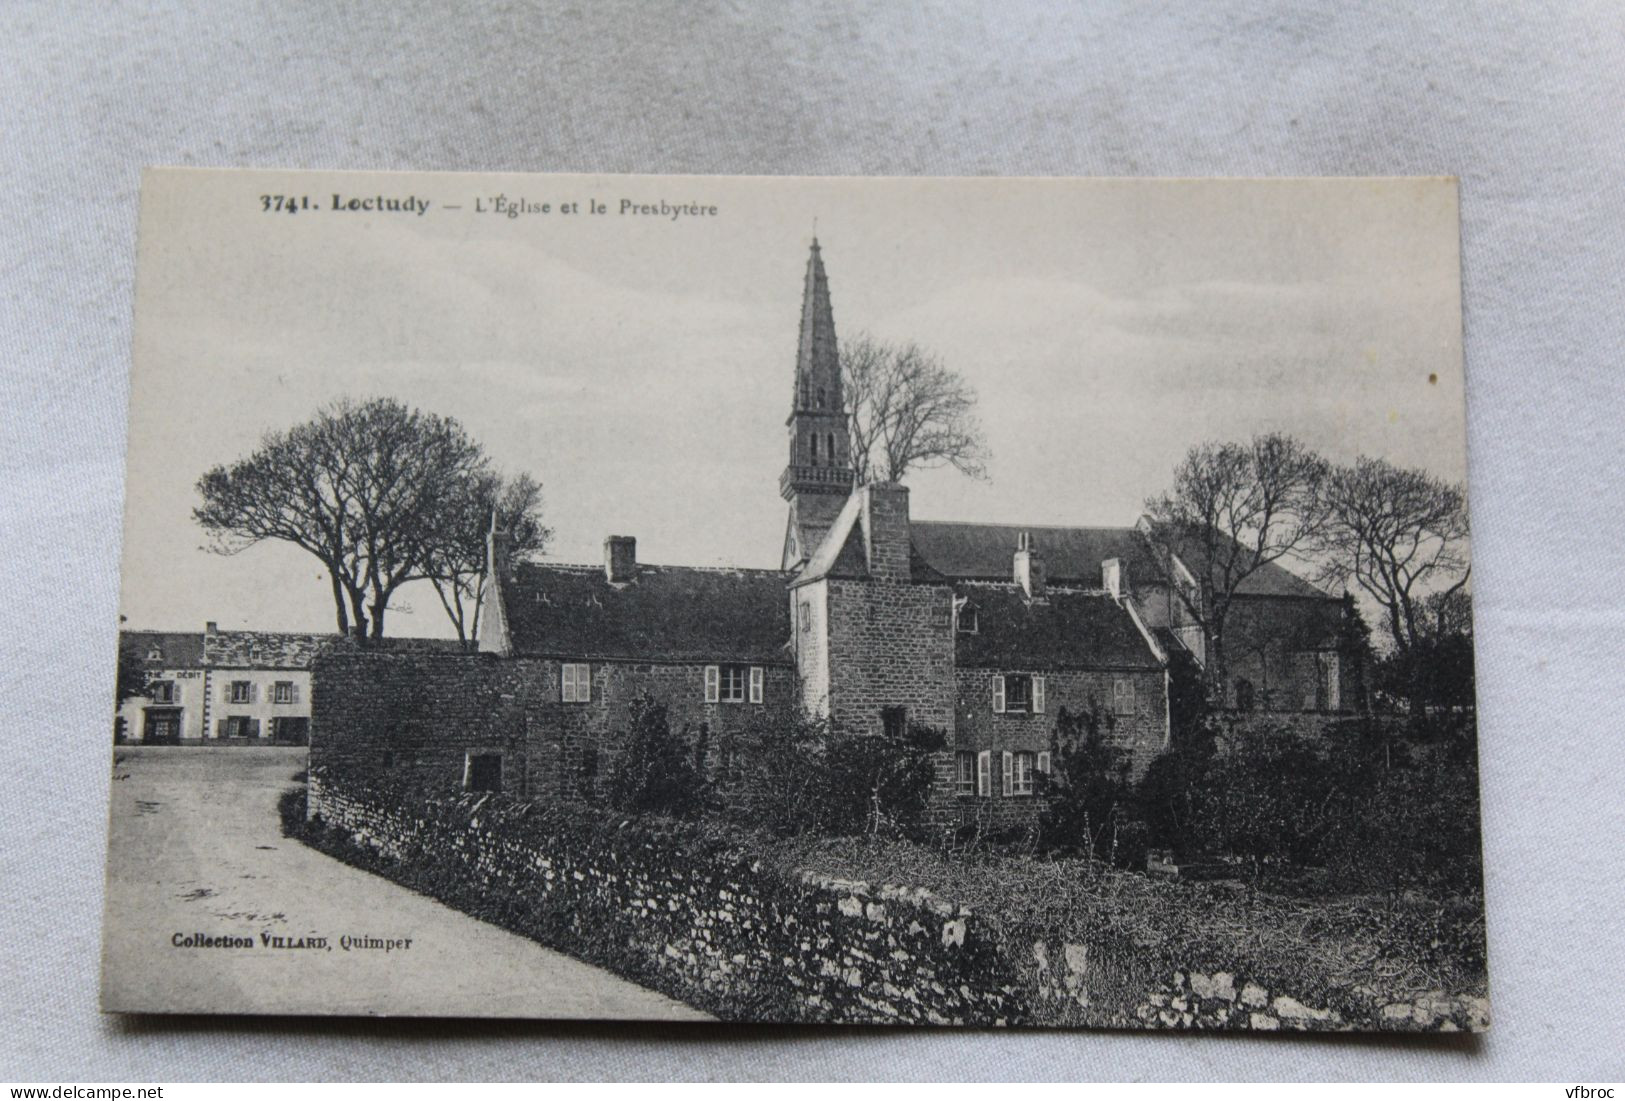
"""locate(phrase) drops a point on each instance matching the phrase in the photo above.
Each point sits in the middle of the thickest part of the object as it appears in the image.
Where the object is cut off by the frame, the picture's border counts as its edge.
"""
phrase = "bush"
(1368, 811)
(654, 773)
(1092, 808)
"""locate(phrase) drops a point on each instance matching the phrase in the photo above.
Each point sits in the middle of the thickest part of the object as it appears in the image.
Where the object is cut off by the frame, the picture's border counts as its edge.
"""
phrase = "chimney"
(886, 532)
(211, 628)
(620, 559)
(1029, 568)
(498, 549)
(1114, 576)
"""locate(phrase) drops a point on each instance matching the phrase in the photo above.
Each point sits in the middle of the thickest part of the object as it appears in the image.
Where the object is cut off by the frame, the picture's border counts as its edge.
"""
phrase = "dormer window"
(965, 617)
(155, 654)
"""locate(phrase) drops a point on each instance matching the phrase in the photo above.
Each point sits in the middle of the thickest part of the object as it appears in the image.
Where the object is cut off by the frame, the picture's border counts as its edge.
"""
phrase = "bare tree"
(907, 411)
(1235, 508)
(365, 488)
(1401, 537)
(457, 565)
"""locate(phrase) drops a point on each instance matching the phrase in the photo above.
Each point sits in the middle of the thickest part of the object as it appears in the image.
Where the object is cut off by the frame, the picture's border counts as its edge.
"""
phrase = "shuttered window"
(1123, 696)
(575, 683)
(755, 684)
(984, 765)
(713, 677)
(998, 694)
(1009, 762)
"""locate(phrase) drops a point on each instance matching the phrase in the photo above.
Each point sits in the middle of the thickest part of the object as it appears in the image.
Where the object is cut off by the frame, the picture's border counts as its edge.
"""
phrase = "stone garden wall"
(698, 915)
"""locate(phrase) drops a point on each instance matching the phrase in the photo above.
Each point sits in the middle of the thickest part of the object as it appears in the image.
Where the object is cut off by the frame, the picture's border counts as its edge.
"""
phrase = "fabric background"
(1523, 102)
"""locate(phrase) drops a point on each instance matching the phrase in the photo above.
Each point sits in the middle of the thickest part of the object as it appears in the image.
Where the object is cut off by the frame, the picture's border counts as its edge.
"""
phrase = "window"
(482, 772)
(812, 448)
(967, 619)
(965, 773)
(163, 691)
(239, 726)
(894, 721)
(728, 683)
(242, 691)
(1123, 696)
(829, 447)
(575, 683)
(1327, 688)
(1018, 694)
(806, 616)
(984, 765)
(1023, 776)
(820, 397)
(282, 692)
(155, 654)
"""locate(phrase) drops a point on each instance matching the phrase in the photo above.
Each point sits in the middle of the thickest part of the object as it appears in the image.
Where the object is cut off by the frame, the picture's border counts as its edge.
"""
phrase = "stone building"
(1007, 639)
(240, 687)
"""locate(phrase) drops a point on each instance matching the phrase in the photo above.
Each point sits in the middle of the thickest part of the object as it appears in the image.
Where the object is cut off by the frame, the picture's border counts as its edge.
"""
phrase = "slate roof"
(1072, 630)
(262, 649)
(983, 552)
(667, 613)
(1073, 556)
(176, 649)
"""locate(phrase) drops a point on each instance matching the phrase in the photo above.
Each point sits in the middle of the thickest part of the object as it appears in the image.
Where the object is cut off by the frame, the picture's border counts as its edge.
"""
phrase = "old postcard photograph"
(980, 602)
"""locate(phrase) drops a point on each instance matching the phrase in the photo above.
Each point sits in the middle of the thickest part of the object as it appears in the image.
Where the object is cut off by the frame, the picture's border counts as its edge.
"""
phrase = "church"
(876, 621)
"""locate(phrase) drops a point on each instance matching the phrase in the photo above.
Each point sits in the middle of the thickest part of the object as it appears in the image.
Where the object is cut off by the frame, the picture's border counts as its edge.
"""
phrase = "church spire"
(818, 476)
(818, 363)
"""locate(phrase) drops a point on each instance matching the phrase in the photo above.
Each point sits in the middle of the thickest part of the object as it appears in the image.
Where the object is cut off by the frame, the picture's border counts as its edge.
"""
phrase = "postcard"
(983, 602)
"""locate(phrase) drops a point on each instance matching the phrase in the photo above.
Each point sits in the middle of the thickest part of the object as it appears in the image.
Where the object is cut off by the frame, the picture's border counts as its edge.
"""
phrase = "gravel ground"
(195, 848)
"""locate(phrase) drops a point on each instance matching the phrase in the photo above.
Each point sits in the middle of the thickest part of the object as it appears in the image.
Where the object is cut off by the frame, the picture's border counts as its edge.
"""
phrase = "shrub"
(880, 785)
(1092, 808)
(654, 773)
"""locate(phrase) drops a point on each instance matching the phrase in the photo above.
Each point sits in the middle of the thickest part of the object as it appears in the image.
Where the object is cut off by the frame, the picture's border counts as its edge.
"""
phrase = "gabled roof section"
(173, 649)
(983, 552)
(1073, 629)
(666, 613)
(1270, 579)
(841, 554)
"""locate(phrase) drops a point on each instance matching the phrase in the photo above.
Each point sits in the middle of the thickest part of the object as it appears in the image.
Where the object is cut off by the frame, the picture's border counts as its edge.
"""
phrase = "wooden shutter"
(584, 683)
(1043, 763)
(293, 692)
(220, 728)
(984, 764)
(1038, 695)
(253, 692)
(1009, 763)
(1128, 697)
(253, 728)
(998, 693)
(755, 684)
(713, 681)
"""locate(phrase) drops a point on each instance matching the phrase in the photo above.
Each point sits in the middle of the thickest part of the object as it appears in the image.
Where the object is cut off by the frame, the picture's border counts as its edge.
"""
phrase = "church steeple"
(818, 476)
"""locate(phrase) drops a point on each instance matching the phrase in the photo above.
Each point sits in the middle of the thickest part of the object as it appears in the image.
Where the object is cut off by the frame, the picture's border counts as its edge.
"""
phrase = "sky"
(640, 366)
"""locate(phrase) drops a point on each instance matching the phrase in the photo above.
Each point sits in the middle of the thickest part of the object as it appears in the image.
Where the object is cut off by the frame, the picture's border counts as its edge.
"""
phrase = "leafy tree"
(379, 493)
(908, 411)
(1235, 508)
(655, 773)
(134, 677)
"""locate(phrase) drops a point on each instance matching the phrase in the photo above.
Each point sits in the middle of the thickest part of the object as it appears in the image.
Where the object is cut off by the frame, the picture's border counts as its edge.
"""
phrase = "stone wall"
(977, 727)
(417, 716)
(890, 645)
(705, 923)
(708, 921)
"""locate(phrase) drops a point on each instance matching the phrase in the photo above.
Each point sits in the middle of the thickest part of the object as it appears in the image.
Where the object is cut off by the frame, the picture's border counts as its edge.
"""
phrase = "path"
(196, 847)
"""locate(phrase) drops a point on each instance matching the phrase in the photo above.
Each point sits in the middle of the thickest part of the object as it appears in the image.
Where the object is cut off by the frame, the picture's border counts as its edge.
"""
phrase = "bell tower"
(818, 477)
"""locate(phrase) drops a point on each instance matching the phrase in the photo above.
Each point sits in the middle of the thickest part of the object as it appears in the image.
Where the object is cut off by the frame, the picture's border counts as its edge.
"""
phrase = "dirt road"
(196, 851)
